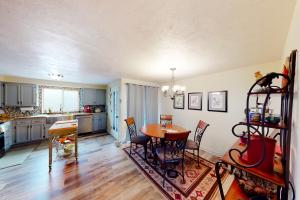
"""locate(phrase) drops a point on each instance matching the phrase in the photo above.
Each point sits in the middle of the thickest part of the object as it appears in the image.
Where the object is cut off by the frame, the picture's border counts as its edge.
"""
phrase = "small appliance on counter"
(98, 110)
(87, 109)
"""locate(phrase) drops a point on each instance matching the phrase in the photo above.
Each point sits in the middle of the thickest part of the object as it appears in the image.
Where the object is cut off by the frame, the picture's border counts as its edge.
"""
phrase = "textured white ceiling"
(96, 41)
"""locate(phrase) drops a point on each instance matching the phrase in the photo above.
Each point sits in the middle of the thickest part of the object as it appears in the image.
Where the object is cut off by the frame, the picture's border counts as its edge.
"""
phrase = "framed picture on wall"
(178, 102)
(217, 101)
(195, 101)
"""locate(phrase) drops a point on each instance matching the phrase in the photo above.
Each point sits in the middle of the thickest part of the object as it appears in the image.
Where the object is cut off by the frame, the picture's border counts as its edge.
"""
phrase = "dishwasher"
(85, 123)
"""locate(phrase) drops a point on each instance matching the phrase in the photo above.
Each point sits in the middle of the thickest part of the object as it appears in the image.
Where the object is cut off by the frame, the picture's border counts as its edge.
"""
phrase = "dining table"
(158, 131)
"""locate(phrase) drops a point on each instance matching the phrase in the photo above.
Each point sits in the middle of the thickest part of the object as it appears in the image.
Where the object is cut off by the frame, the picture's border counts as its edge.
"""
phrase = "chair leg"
(165, 171)
(145, 151)
(130, 147)
(183, 171)
(198, 159)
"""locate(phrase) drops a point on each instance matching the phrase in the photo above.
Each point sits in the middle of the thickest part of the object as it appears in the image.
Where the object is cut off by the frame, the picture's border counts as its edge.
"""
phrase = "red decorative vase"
(255, 151)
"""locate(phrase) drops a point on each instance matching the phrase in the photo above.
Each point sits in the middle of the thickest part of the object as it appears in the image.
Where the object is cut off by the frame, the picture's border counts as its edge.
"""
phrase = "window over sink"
(60, 100)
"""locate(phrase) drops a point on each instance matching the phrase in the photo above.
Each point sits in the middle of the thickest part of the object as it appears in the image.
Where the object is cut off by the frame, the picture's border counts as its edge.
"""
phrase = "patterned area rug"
(200, 182)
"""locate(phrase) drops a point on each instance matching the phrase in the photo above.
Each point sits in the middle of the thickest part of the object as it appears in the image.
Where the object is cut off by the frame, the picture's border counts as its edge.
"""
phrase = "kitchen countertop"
(3, 120)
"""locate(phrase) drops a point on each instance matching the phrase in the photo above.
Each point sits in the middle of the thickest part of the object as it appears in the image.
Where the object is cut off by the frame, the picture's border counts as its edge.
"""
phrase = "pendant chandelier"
(172, 90)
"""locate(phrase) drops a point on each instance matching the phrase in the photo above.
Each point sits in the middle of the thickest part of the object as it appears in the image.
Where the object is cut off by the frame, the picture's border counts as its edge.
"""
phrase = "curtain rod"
(142, 85)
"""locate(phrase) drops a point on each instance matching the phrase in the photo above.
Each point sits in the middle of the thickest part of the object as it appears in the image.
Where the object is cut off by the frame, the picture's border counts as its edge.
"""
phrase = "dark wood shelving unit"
(233, 158)
(273, 177)
(280, 91)
(280, 125)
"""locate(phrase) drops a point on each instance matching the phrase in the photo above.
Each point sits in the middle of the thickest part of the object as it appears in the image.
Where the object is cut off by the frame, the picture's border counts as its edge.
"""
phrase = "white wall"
(218, 137)
(293, 42)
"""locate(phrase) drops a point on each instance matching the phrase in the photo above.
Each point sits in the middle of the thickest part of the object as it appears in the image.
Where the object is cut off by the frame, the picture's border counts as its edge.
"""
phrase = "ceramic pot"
(255, 150)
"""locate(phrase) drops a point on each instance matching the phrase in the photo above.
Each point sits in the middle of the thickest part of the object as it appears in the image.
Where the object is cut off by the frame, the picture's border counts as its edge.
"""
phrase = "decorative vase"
(255, 151)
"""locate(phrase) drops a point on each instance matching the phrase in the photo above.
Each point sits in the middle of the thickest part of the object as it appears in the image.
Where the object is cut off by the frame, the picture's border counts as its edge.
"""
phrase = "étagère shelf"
(235, 159)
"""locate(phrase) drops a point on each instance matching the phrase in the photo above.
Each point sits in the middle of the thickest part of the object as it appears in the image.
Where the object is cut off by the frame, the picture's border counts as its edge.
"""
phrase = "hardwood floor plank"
(103, 172)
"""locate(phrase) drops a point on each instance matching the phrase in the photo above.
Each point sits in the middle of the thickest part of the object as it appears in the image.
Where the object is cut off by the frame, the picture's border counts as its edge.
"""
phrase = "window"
(60, 100)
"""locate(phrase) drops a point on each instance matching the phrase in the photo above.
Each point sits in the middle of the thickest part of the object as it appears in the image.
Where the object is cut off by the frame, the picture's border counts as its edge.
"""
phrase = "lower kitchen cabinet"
(27, 130)
(22, 133)
(99, 122)
(36, 132)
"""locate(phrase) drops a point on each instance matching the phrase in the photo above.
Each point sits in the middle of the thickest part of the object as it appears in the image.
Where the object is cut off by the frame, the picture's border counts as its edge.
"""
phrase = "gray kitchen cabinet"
(100, 97)
(1, 94)
(22, 133)
(36, 132)
(27, 95)
(11, 94)
(88, 96)
(16, 94)
(93, 96)
(103, 121)
(96, 124)
(99, 122)
(37, 128)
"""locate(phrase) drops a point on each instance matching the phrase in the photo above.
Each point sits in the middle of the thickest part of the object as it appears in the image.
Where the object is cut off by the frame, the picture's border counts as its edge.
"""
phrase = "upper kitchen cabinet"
(93, 96)
(11, 94)
(28, 95)
(100, 97)
(19, 94)
(1, 94)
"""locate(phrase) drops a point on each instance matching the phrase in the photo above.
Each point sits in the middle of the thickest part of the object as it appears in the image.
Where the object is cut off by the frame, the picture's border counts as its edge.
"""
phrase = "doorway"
(115, 103)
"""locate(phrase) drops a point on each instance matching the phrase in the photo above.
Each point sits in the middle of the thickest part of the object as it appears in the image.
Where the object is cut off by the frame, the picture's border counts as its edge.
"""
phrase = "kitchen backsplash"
(21, 112)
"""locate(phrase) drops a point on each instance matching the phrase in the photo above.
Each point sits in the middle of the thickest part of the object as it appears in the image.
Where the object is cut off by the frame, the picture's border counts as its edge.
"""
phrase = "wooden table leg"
(50, 153)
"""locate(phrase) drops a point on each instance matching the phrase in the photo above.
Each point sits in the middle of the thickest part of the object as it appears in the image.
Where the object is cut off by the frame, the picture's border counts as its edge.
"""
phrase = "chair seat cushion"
(140, 139)
(169, 157)
(190, 144)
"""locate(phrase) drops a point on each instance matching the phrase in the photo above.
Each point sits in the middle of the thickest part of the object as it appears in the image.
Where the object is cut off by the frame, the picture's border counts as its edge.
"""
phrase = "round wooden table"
(157, 131)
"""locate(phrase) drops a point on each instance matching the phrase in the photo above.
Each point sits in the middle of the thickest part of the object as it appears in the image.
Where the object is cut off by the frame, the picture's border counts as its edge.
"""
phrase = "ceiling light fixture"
(172, 90)
(56, 76)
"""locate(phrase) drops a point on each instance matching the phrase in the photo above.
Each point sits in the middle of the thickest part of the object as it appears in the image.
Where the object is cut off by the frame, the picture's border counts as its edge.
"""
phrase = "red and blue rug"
(200, 181)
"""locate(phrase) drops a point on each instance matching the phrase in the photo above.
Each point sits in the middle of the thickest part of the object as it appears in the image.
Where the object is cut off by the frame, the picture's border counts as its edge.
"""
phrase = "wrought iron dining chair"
(195, 144)
(134, 137)
(172, 152)
(165, 119)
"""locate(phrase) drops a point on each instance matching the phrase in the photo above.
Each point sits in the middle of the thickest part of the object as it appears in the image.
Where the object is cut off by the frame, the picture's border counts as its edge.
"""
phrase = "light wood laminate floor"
(103, 172)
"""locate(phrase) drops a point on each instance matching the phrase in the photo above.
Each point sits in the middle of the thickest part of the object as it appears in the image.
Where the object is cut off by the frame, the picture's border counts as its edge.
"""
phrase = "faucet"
(61, 108)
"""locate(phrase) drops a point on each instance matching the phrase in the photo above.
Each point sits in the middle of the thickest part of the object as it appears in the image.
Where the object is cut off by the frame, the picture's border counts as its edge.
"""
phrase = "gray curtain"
(136, 104)
(142, 104)
(151, 105)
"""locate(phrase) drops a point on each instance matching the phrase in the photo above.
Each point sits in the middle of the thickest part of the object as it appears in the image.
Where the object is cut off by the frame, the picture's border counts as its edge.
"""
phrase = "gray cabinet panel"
(88, 96)
(37, 132)
(100, 97)
(99, 121)
(11, 91)
(93, 96)
(1, 95)
(16, 94)
(27, 95)
(22, 133)
(96, 124)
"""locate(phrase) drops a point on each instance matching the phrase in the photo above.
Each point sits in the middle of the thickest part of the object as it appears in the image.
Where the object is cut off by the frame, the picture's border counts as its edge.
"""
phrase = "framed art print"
(217, 101)
(195, 101)
(178, 102)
